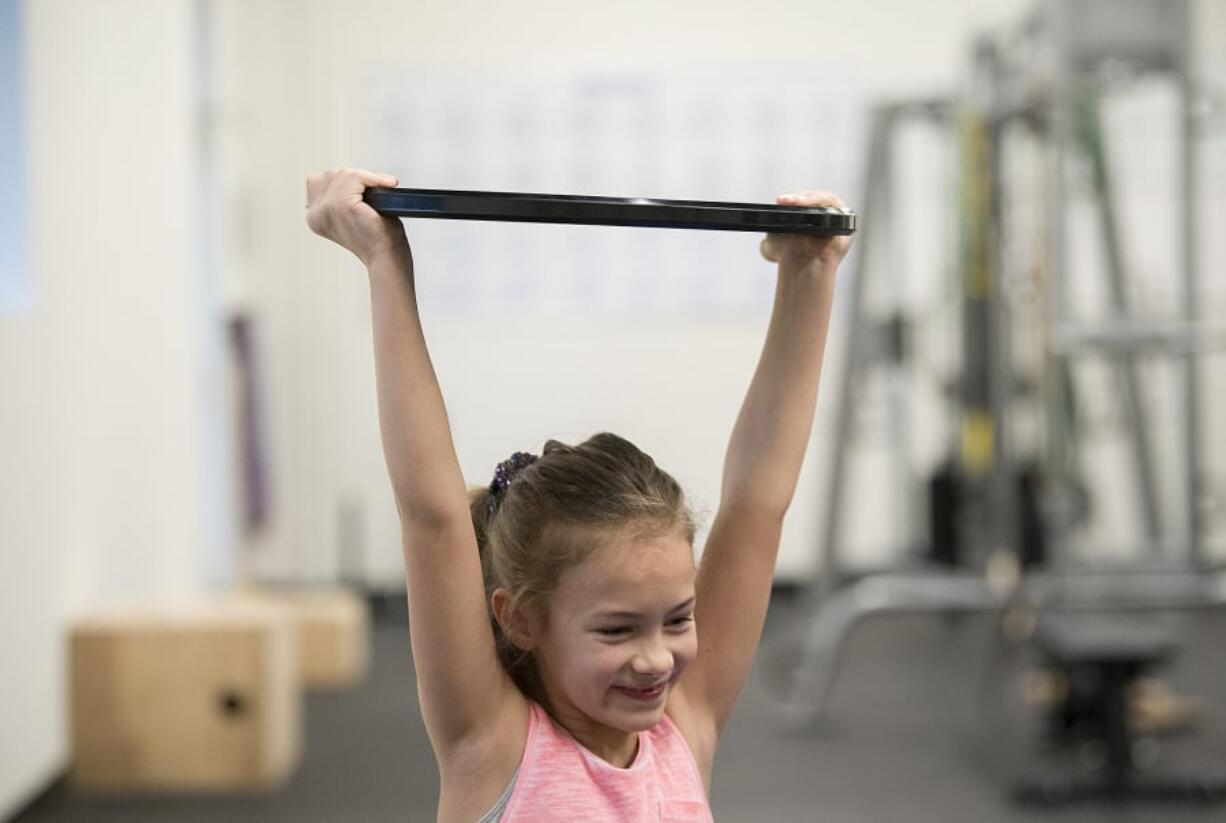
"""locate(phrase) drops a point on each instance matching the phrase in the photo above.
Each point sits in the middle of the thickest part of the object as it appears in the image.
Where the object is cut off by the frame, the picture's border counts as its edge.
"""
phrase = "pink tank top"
(560, 780)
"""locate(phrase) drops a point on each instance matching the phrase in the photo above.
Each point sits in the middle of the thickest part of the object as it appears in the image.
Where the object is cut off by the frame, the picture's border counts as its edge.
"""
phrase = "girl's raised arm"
(761, 469)
(461, 684)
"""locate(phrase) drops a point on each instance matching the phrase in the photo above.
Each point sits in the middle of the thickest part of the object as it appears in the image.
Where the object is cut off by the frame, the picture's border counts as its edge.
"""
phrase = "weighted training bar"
(610, 211)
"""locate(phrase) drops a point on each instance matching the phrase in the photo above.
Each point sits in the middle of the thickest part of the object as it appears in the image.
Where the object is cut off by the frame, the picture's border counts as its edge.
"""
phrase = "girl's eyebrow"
(635, 615)
(684, 605)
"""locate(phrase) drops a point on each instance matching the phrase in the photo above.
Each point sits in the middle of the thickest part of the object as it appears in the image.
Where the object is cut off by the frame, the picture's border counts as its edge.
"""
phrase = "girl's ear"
(516, 621)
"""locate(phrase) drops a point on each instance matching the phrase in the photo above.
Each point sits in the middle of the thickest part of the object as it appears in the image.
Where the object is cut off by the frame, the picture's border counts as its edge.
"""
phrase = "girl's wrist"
(395, 259)
(812, 269)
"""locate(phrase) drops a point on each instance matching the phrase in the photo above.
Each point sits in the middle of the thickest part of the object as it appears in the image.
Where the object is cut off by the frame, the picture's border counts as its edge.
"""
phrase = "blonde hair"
(558, 512)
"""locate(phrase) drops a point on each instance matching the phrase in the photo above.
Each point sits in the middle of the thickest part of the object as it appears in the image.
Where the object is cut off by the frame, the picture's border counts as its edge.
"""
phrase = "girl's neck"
(614, 746)
(617, 751)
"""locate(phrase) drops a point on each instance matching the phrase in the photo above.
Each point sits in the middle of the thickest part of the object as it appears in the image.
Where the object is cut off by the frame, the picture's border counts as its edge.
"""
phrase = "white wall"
(103, 486)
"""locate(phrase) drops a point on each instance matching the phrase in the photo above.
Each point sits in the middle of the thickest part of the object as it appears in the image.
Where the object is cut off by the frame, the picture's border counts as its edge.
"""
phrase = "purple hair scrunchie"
(506, 472)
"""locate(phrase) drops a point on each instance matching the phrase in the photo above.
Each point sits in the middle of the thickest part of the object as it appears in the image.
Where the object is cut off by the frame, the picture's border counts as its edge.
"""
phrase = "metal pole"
(1094, 149)
(1003, 529)
(875, 207)
(1191, 308)
(1059, 440)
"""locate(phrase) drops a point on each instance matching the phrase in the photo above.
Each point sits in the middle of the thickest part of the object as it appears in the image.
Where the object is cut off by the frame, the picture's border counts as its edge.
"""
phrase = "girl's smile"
(648, 695)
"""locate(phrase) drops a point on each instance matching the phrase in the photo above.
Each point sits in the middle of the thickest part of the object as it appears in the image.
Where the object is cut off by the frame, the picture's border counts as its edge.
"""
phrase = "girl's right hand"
(335, 210)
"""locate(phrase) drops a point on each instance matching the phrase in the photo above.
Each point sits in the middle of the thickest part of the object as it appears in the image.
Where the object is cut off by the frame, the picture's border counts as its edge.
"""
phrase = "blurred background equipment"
(1008, 499)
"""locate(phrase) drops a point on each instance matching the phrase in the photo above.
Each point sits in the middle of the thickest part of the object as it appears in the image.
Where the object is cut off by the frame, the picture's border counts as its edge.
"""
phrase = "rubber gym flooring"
(925, 724)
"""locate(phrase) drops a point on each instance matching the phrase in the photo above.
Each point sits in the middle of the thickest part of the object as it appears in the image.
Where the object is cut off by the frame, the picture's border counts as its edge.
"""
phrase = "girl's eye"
(613, 631)
(683, 622)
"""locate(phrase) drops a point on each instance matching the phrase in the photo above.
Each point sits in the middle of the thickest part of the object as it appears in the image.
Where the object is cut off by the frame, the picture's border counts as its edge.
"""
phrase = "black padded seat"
(1101, 657)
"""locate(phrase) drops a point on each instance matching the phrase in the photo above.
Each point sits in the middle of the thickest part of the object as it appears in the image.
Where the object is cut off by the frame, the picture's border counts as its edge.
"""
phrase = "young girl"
(572, 663)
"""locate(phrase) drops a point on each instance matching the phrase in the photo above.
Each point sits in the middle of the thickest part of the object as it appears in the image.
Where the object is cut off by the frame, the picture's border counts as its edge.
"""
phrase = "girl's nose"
(653, 658)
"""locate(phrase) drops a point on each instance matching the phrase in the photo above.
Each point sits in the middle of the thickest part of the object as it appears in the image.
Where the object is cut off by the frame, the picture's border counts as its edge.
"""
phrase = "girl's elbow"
(427, 515)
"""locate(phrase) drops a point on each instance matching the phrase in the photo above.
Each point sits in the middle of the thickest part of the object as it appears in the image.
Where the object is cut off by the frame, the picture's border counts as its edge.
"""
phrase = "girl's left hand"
(803, 250)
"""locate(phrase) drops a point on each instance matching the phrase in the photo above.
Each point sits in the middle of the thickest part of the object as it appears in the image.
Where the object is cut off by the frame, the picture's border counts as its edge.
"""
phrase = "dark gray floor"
(924, 727)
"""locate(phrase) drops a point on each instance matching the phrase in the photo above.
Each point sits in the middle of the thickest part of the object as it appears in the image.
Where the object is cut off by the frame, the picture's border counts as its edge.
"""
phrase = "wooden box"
(333, 627)
(186, 698)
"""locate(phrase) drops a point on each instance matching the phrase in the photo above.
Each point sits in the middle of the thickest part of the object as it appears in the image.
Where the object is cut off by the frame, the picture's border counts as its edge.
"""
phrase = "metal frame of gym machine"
(1081, 35)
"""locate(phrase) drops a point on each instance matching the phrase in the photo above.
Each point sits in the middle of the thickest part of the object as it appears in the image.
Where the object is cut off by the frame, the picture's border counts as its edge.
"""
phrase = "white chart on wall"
(732, 133)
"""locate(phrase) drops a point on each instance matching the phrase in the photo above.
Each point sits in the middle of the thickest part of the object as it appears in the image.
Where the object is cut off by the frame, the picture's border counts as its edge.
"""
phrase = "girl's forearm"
(417, 445)
(772, 431)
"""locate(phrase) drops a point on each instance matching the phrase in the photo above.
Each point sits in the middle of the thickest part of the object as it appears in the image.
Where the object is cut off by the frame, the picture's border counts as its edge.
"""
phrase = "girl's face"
(620, 632)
